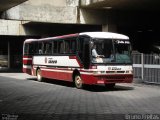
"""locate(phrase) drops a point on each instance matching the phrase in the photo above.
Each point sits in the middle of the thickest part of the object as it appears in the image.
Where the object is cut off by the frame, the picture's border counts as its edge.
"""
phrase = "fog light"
(100, 82)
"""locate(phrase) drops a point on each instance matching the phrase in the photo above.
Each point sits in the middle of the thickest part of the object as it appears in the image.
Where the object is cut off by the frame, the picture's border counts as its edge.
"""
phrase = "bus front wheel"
(39, 76)
(78, 82)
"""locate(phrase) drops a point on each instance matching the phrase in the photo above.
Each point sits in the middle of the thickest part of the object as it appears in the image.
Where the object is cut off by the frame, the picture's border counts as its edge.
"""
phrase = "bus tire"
(39, 76)
(110, 85)
(78, 81)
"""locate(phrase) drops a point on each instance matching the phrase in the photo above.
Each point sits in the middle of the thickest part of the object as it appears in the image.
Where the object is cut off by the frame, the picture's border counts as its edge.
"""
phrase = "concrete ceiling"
(6, 4)
(140, 5)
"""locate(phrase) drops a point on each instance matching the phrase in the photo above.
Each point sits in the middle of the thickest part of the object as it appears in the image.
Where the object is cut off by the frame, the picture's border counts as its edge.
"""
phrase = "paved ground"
(23, 98)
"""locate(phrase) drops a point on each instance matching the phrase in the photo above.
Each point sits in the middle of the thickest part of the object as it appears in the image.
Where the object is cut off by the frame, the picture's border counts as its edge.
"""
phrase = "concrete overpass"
(38, 18)
(7, 4)
(142, 5)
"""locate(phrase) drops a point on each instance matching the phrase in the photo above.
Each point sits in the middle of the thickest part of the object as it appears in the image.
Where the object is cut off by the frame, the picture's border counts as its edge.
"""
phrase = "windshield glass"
(110, 51)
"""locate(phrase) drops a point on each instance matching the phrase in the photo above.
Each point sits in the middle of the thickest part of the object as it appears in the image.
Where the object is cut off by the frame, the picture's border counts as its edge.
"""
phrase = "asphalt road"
(23, 98)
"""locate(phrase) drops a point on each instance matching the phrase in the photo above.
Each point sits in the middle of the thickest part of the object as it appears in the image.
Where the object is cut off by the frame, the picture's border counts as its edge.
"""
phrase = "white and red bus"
(70, 58)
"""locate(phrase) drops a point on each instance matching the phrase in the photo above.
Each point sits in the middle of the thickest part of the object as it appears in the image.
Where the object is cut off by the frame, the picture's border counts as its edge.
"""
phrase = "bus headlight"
(96, 72)
(129, 71)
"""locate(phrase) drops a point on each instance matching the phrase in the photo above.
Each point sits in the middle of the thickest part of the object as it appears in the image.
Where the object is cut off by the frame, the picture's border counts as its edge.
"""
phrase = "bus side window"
(61, 47)
(70, 46)
(73, 46)
(44, 47)
(55, 47)
(36, 48)
(40, 46)
(26, 49)
(47, 48)
(67, 46)
(31, 48)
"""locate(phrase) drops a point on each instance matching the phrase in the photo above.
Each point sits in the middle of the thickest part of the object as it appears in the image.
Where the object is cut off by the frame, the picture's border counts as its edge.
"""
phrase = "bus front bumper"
(106, 79)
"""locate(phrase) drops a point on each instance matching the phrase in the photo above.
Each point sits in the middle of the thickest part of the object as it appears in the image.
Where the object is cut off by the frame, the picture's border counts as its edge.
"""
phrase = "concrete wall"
(88, 2)
(51, 11)
(91, 2)
(9, 27)
(58, 3)
(7, 4)
(92, 16)
(56, 11)
(99, 17)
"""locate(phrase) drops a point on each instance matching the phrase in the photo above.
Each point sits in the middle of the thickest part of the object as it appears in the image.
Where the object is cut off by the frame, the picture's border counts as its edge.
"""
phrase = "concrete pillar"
(105, 28)
(9, 65)
(110, 24)
(142, 69)
(110, 27)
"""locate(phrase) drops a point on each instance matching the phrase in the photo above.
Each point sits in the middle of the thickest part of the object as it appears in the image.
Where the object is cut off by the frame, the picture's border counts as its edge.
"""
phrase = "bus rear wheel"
(78, 81)
(39, 76)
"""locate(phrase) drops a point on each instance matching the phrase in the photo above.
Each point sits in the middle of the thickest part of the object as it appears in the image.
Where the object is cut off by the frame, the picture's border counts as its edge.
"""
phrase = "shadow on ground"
(7, 70)
(91, 88)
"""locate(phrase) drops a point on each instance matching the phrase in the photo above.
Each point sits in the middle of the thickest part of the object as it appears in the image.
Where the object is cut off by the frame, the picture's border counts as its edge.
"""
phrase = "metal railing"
(147, 67)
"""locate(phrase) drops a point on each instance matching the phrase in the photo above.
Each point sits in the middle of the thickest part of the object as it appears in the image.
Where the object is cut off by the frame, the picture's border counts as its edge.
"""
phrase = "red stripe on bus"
(27, 62)
(57, 75)
(70, 35)
(28, 71)
(72, 57)
(65, 69)
(27, 56)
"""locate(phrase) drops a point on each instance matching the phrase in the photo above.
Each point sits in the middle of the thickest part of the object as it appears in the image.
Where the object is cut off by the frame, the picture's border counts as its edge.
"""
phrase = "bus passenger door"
(84, 51)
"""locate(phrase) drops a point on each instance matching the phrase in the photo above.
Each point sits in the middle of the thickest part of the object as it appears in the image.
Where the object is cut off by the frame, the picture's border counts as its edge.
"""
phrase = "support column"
(9, 65)
(142, 69)
(105, 28)
(109, 28)
(110, 24)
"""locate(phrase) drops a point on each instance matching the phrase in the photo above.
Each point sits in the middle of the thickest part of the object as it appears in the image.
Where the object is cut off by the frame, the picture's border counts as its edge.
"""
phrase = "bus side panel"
(88, 79)
(28, 71)
(57, 74)
(27, 64)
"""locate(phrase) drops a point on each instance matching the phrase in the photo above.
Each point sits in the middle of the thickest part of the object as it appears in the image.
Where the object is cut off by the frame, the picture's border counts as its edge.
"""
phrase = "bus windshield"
(110, 51)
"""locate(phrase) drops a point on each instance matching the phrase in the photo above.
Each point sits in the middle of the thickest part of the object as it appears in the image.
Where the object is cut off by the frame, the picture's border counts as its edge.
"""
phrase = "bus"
(70, 58)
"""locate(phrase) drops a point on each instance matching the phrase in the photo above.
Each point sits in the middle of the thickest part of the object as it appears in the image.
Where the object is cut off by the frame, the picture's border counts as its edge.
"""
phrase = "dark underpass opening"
(142, 28)
(144, 40)
(11, 47)
(54, 29)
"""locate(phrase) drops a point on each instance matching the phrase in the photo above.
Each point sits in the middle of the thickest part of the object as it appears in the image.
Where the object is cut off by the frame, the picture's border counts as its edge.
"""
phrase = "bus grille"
(115, 78)
(115, 71)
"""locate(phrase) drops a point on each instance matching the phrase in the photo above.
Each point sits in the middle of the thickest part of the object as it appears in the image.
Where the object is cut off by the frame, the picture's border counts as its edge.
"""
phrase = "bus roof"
(107, 35)
(51, 38)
